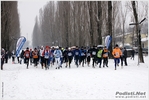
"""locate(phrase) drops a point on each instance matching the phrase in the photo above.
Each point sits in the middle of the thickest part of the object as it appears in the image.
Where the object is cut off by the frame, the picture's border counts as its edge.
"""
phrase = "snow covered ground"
(17, 82)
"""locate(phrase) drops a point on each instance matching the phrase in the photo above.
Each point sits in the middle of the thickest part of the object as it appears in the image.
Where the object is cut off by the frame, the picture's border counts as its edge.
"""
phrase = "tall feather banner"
(20, 44)
(108, 41)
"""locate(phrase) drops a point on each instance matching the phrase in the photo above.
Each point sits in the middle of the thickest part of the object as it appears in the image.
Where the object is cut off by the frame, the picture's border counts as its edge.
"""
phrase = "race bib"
(46, 55)
(77, 53)
(27, 55)
(93, 53)
(88, 54)
(117, 54)
(106, 55)
(82, 54)
(69, 54)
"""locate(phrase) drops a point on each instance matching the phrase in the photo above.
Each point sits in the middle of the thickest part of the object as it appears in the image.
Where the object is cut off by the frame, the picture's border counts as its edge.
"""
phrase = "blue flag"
(20, 44)
(108, 41)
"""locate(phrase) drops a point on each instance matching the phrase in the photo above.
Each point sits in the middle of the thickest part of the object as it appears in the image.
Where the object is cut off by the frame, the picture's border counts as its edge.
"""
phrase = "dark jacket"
(70, 53)
(22, 54)
(132, 52)
(94, 52)
(125, 53)
(77, 52)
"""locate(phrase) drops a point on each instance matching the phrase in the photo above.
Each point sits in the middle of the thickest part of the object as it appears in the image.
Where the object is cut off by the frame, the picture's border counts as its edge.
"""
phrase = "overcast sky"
(28, 10)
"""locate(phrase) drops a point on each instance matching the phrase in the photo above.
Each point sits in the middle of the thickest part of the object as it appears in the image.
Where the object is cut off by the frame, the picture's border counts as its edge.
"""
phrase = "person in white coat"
(57, 54)
(42, 56)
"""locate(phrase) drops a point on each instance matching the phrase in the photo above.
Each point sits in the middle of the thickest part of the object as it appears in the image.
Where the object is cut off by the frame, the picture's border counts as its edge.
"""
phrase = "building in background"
(132, 41)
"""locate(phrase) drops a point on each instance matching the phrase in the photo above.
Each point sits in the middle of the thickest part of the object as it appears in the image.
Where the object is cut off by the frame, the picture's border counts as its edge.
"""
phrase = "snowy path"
(75, 83)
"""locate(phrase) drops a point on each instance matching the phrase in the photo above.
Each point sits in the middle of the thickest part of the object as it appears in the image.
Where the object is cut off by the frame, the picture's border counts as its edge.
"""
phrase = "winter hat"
(47, 46)
(116, 45)
(69, 48)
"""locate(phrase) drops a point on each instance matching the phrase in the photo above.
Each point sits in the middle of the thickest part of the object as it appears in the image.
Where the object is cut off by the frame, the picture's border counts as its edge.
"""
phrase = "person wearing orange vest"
(105, 55)
(27, 56)
(116, 54)
(35, 56)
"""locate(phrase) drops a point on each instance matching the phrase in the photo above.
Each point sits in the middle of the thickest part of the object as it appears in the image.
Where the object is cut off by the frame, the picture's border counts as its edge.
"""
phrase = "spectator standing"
(132, 53)
(125, 56)
(122, 56)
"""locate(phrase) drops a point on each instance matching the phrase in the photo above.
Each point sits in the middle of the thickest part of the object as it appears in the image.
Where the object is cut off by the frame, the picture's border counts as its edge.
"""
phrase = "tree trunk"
(91, 22)
(99, 23)
(110, 25)
(137, 31)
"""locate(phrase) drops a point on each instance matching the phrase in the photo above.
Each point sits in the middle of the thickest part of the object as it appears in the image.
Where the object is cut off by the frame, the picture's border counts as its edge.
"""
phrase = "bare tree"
(110, 24)
(68, 23)
(10, 25)
(99, 21)
(137, 31)
(91, 21)
(124, 13)
(37, 40)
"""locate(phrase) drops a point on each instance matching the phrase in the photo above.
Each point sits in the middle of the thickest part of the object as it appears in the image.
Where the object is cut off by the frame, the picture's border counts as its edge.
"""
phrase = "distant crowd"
(48, 56)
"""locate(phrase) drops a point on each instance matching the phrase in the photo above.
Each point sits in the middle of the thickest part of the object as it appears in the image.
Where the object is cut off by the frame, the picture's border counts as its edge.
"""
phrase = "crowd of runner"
(62, 57)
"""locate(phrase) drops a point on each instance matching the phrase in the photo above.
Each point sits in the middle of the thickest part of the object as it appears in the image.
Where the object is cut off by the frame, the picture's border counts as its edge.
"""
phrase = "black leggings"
(42, 61)
(69, 60)
(27, 61)
(46, 63)
(2, 63)
(94, 60)
(35, 61)
(105, 61)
